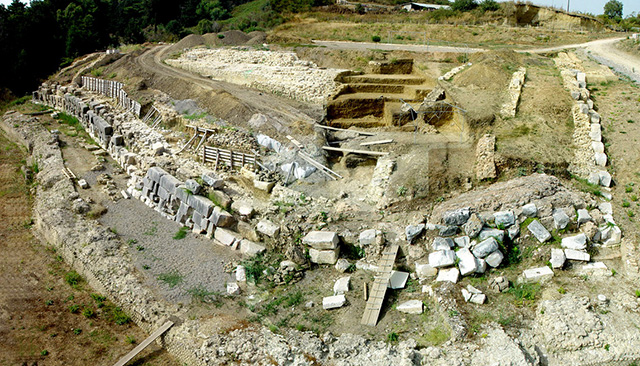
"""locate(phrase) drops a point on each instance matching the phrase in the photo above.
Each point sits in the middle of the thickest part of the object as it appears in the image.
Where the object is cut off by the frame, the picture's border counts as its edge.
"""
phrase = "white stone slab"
(268, 228)
(333, 302)
(398, 280)
(324, 256)
(449, 274)
(321, 240)
(539, 274)
(411, 307)
(557, 258)
(425, 270)
(341, 286)
(577, 242)
(539, 231)
(577, 255)
(467, 263)
(442, 258)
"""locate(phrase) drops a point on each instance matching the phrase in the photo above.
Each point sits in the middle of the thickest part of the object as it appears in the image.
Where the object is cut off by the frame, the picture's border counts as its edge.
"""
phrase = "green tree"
(489, 5)
(464, 5)
(212, 10)
(613, 10)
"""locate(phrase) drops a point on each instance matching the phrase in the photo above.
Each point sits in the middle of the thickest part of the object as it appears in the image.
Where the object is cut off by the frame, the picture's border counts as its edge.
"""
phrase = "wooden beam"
(380, 142)
(129, 356)
(365, 152)
(344, 129)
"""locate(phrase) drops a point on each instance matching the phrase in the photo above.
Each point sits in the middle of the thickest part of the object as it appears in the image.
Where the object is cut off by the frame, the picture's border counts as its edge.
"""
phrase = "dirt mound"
(190, 41)
(234, 38)
(490, 70)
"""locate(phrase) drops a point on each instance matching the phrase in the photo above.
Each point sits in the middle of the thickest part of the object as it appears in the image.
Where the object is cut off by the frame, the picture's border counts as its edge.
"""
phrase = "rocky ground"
(502, 269)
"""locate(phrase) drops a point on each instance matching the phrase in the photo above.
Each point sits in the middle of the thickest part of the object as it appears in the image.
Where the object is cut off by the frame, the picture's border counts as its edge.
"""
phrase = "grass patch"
(73, 278)
(524, 293)
(254, 267)
(171, 278)
(153, 230)
(119, 316)
(203, 295)
(585, 186)
(181, 234)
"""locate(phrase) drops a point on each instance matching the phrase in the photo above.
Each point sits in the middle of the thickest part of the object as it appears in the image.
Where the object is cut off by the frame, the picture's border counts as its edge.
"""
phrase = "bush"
(73, 279)
(464, 5)
(376, 39)
(489, 5)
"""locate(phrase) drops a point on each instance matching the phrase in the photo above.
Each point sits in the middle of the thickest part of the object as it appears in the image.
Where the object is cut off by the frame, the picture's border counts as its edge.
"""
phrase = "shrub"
(489, 5)
(119, 316)
(73, 279)
(464, 5)
(88, 313)
(181, 234)
(376, 39)
(171, 278)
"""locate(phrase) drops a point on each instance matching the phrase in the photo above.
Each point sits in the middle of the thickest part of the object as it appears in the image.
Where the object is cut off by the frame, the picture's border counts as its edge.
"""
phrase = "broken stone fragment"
(491, 233)
(333, 302)
(321, 240)
(577, 242)
(411, 307)
(462, 241)
(485, 247)
(504, 218)
(233, 288)
(583, 216)
(370, 237)
(473, 226)
(342, 265)
(268, 228)
(425, 271)
(494, 259)
(440, 243)
(341, 286)
(560, 219)
(413, 231)
(456, 217)
(530, 210)
(577, 255)
(324, 256)
(83, 184)
(539, 231)
(450, 274)
(442, 258)
(398, 280)
(557, 258)
(467, 263)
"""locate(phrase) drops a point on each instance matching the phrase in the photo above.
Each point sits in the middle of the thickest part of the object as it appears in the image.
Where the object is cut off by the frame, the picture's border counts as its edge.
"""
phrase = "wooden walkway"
(379, 288)
(129, 356)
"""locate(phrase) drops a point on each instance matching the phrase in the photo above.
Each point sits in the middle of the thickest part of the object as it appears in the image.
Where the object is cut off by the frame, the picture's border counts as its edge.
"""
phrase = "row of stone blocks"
(93, 115)
(176, 199)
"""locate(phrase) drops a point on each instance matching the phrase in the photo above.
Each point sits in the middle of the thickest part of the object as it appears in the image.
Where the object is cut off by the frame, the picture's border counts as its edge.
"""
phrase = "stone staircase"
(374, 99)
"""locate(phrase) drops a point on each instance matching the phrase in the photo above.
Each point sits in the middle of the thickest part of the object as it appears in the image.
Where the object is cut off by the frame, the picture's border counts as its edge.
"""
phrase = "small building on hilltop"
(423, 7)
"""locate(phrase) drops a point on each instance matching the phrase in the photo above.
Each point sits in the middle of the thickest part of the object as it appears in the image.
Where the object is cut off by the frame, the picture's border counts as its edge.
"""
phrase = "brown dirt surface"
(38, 326)
(630, 46)
(618, 103)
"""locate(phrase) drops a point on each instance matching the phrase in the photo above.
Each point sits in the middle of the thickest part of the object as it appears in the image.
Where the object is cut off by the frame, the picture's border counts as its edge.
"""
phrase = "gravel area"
(194, 262)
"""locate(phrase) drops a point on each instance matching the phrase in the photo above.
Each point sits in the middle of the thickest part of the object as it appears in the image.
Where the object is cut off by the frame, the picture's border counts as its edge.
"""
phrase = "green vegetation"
(254, 267)
(153, 230)
(171, 278)
(73, 279)
(524, 293)
(181, 234)
(203, 295)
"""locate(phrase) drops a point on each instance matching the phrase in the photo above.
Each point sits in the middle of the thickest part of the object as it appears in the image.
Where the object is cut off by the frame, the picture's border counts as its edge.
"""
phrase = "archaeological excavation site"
(251, 202)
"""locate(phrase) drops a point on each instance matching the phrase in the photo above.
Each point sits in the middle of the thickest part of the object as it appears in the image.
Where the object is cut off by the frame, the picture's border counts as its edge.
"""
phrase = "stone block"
(369, 237)
(243, 208)
(513, 231)
(485, 247)
(170, 183)
(539, 231)
(577, 255)
(264, 186)
(83, 184)
(473, 226)
(600, 159)
(321, 240)
(157, 148)
(411, 307)
(182, 194)
(504, 218)
(560, 219)
(324, 256)
(615, 236)
(442, 258)
(596, 133)
(155, 173)
(341, 286)
(226, 237)
(481, 265)
(557, 258)
(440, 243)
(241, 274)
(220, 198)
(450, 274)
(249, 248)
(530, 210)
(444, 230)
(222, 218)
(413, 231)
(597, 146)
(605, 208)
(462, 241)
(597, 269)
(193, 186)
(233, 288)
(342, 265)
(467, 263)
(605, 178)
(478, 299)
(425, 271)
(583, 216)
(333, 302)
(201, 204)
(268, 228)
(247, 231)
(456, 217)
(212, 180)
(539, 274)
(491, 233)
(494, 259)
(576, 242)
(398, 280)
(197, 219)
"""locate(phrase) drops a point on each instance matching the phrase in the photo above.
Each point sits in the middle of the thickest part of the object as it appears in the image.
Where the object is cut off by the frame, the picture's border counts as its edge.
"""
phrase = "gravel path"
(194, 262)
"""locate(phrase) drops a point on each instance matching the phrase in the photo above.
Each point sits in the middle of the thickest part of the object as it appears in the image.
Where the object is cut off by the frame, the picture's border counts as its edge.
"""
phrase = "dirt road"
(605, 52)
(247, 101)
(364, 46)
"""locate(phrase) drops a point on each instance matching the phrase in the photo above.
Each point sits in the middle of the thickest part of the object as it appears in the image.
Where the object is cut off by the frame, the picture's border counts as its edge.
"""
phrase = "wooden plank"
(379, 287)
(129, 356)
(344, 129)
(380, 142)
(330, 173)
(365, 152)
